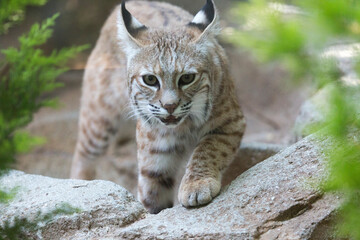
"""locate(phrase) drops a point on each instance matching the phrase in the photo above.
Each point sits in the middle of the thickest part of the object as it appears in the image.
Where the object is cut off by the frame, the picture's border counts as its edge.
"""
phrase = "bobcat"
(174, 75)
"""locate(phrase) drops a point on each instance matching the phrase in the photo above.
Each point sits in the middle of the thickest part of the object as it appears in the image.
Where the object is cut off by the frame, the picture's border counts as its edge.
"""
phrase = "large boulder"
(315, 109)
(275, 199)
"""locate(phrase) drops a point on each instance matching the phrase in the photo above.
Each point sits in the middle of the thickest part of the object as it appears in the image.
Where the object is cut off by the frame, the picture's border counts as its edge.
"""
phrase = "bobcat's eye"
(186, 79)
(150, 80)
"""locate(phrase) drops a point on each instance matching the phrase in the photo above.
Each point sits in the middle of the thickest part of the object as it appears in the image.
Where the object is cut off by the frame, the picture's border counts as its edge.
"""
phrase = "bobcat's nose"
(169, 101)
(170, 107)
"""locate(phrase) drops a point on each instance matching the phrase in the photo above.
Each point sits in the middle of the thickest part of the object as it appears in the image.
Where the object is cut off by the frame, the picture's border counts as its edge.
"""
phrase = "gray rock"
(103, 205)
(275, 199)
(248, 155)
(315, 110)
(312, 112)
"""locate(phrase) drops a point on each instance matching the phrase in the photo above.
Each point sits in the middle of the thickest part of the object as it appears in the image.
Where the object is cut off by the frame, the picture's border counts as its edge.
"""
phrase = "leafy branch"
(27, 74)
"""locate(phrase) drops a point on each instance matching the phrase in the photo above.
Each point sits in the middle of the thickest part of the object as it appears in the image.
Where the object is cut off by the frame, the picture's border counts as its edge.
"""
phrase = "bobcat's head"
(170, 70)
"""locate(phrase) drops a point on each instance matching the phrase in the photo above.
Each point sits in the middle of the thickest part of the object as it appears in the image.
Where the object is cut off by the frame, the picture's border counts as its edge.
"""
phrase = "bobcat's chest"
(171, 141)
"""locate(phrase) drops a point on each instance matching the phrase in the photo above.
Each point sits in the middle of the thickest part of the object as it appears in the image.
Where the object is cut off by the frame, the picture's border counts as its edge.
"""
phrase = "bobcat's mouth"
(170, 120)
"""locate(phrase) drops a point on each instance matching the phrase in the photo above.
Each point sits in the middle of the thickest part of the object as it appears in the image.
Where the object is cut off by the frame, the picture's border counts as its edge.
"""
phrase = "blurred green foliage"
(296, 36)
(26, 74)
(12, 12)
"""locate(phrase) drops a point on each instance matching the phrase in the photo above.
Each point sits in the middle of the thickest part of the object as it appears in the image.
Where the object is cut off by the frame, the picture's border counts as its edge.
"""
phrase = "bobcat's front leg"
(94, 134)
(158, 158)
(202, 179)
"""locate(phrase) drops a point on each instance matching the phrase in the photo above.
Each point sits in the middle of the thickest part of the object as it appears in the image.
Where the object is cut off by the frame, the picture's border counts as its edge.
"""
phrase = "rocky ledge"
(275, 199)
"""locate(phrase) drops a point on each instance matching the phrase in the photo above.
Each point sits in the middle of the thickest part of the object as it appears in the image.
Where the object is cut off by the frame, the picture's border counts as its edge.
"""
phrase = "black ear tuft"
(205, 16)
(133, 26)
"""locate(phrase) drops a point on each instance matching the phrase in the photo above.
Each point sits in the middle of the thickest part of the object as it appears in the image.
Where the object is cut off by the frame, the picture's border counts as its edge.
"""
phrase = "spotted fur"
(198, 122)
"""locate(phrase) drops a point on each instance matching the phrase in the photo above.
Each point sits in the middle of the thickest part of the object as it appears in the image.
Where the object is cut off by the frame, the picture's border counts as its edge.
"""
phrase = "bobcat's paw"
(198, 192)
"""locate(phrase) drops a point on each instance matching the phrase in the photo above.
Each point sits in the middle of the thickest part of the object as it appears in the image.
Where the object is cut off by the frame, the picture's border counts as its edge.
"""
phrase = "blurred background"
(80, 22)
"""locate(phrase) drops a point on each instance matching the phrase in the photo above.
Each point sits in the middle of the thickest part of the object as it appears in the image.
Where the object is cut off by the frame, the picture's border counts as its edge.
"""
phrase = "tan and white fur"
(168, 68)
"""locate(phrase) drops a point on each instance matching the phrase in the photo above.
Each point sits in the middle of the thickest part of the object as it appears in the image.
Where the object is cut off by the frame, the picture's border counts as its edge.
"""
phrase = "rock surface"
(275, 199)
(249, 154)
(103, 205)
(312, 112)
(272, 200)
(315, 110)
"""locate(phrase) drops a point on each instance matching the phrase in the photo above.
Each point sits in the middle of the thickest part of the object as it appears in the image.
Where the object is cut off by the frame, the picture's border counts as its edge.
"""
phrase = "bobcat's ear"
(128, 29)
(206, 20)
